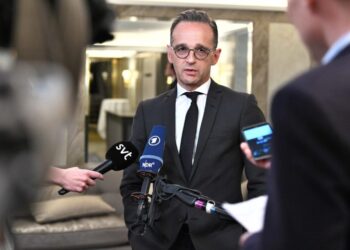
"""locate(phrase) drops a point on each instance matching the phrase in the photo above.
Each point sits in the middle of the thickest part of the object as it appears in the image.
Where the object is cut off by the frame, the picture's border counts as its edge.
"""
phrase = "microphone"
(190, 197)
(150, 163)
(119, 156)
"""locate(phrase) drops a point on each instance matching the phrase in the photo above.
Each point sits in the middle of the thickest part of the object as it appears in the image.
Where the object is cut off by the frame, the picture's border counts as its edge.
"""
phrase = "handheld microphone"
(119, 156)
(150, 163)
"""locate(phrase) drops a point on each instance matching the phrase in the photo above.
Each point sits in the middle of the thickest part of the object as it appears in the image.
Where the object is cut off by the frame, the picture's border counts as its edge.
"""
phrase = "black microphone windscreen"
(122, 154)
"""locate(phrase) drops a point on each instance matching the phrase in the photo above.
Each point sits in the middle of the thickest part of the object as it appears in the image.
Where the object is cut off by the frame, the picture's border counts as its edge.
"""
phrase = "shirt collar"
(336, 48)
(204, 88)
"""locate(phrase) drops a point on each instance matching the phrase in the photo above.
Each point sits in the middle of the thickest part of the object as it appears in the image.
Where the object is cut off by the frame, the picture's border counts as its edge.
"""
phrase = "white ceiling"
(277, 5)
(152, 34)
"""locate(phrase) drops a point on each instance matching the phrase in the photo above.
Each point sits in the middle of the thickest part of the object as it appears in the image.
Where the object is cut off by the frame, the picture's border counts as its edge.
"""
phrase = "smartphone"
(258, 137)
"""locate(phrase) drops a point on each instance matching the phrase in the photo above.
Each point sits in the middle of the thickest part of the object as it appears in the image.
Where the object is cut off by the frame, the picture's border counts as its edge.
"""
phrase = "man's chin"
(190, 85)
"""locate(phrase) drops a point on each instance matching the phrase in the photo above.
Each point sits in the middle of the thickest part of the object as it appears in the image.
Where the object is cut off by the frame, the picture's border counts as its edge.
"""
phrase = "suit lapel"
(344, 52)
(169, 115)
(211, 108)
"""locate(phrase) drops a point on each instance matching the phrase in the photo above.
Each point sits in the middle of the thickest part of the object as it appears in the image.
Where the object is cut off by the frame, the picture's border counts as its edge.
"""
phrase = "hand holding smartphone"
(258, 138)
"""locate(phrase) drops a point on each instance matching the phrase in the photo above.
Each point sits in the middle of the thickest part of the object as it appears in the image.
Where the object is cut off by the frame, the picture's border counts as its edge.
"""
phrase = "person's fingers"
(79, 188)
(265, 163)
(90, 182)
(94, 174)
(244, 145)
(246, 150)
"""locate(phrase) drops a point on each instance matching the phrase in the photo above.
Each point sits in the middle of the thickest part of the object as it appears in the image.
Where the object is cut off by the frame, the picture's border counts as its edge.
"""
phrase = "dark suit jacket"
(217, 169)
(309, 188)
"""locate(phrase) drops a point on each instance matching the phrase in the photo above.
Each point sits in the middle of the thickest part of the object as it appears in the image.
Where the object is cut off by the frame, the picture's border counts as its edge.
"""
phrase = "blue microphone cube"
(152, 158)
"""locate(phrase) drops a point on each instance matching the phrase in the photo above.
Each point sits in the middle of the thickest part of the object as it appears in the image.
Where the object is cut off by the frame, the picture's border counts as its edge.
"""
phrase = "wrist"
(56, 175)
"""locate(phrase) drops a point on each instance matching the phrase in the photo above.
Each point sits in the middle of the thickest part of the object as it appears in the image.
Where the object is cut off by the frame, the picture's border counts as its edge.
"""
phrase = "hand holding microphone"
(119, 156)
(74, 179)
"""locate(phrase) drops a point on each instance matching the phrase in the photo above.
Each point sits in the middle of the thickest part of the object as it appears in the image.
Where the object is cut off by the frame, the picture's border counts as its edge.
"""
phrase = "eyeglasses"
(200, 53)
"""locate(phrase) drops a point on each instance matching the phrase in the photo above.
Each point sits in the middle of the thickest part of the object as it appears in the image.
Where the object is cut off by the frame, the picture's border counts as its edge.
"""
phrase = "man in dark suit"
(309, 188)
(216, 162)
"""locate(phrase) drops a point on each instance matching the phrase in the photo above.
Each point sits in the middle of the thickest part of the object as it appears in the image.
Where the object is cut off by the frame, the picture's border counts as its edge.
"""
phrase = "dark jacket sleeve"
(256, 177)
(307, 199)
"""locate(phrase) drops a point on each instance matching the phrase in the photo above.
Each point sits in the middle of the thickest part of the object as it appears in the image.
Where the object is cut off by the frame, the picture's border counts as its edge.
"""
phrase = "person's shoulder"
(228, 91)
(320, 81)
(296, 88)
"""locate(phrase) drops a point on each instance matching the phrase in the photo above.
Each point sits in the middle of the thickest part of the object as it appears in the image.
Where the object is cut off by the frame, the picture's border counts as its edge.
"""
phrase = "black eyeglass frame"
(195, 51)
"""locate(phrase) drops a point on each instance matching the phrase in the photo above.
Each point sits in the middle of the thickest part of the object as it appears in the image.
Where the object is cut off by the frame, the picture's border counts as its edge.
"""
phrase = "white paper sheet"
(250, 214)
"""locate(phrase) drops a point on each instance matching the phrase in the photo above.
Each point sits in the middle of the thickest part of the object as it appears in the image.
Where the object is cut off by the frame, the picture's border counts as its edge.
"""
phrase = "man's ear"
(216, 56)
(170, 53)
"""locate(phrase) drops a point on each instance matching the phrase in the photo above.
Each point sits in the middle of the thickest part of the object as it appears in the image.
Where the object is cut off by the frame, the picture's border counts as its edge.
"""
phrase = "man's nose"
(191, 57)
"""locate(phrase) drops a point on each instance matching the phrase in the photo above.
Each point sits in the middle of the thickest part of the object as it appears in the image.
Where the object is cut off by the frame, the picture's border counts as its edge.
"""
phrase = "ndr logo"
(154, 140)
(148, 164)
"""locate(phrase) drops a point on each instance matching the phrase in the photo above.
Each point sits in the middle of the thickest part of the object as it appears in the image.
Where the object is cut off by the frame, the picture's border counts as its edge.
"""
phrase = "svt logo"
(124, 151)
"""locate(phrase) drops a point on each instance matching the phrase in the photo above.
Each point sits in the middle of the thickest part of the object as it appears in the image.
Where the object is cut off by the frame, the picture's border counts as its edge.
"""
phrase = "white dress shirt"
(183, 103)
(336, 48)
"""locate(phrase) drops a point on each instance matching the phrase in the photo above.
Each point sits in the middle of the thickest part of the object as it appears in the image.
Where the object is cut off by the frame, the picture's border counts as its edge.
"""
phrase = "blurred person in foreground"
(309, 186)
(207, 159)
(42, 46)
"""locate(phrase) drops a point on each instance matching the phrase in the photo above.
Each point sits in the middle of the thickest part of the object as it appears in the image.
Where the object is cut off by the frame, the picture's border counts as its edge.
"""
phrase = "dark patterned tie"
(189, 134)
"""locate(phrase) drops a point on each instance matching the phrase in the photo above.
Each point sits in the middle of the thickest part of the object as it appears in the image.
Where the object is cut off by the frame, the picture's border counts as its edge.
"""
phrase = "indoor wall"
(263, 54)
